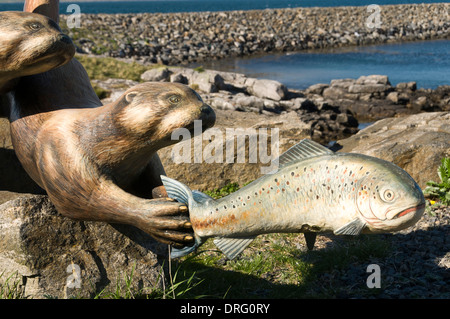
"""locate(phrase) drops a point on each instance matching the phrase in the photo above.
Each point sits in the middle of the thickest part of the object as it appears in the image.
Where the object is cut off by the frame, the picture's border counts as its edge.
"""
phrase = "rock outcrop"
(416, 143)
(51, 256)
(371, 98)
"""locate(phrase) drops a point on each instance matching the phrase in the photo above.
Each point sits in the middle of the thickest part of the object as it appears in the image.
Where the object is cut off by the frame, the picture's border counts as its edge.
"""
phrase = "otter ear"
(130, 96)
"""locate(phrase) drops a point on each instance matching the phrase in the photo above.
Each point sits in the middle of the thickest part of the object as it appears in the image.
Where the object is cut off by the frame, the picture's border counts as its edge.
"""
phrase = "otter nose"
(206, 109)
(64, 38)
(208, 116)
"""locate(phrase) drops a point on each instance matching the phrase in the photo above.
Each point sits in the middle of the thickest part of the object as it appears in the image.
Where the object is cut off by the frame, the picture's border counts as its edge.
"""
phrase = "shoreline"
(190, 37)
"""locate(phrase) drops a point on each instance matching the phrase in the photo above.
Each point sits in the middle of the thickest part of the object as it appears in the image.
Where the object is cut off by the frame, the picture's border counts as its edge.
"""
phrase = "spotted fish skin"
(314, 190)
(318, 194)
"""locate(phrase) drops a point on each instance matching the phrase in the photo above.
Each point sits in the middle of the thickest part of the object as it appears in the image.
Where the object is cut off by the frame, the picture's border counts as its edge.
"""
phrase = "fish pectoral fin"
(353, 228)
(232, 247)
(310, 238)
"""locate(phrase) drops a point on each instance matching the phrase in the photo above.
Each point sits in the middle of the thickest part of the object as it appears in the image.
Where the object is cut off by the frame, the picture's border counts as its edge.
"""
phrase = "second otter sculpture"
(30, 44)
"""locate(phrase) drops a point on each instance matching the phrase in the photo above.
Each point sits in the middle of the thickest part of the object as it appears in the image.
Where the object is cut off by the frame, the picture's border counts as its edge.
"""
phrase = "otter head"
(31, 43)
(153, 110)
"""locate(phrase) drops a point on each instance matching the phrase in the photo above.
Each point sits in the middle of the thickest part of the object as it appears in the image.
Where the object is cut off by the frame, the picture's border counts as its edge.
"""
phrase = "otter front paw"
(169, 223)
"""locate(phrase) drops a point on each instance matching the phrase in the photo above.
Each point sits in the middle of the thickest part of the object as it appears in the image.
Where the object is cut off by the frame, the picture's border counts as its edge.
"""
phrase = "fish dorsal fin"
(232, 247)
(304, 149)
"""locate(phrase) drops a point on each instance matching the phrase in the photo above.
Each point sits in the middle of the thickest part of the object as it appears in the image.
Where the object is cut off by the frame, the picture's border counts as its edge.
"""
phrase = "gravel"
(418, 265)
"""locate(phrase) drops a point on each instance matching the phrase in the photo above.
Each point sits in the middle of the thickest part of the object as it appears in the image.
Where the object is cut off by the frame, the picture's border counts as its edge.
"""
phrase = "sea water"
(426, 62)
(206, 5)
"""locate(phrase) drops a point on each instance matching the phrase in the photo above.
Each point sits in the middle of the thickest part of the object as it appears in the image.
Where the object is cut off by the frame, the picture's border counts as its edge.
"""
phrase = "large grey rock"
(373, 79)
(368, 88)
(53, 256)
(203, 171)
(268, 89)
(157, 75)
(206, 81)
(417, 143)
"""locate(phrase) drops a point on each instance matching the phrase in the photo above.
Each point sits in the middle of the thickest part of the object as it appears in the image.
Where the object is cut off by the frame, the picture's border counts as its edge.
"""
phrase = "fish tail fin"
(183, 194)
(178, 191)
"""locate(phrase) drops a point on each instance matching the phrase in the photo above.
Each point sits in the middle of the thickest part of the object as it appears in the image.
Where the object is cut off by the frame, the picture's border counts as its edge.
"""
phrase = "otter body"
(94, 161)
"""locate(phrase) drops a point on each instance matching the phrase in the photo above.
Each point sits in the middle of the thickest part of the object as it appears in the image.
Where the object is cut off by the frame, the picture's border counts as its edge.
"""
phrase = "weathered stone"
(179, 78)
(334, 93)
(199, 170)
(268, 89)
(157, 75)
(373, 79)
(207, 82)
(342, 83)
(317, 88)
(368, 88)
(407, 86)
(393, 97)
(53, 256)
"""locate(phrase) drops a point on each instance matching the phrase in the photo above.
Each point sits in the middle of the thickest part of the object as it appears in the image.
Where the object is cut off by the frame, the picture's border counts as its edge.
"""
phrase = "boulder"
(49, 255)
(268, 89)
(406, 86)
(157, 75)
(333, 93)
(207, 82)
(317, 88)
(368, 88)
(203, 165)
(373, 79)
(416, 143)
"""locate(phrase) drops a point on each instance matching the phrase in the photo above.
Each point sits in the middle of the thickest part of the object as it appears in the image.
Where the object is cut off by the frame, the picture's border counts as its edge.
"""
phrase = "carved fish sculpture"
(314, 190)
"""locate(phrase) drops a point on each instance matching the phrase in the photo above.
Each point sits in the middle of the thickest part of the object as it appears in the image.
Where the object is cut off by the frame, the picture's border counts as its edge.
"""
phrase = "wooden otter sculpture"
(93, 160)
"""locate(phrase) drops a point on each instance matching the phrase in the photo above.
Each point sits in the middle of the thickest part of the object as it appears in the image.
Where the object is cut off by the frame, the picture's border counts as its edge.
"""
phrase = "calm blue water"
(206, 5)
(426, 62)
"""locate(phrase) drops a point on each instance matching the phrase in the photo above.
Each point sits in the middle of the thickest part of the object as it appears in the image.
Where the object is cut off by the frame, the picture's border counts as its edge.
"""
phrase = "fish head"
(389, 199)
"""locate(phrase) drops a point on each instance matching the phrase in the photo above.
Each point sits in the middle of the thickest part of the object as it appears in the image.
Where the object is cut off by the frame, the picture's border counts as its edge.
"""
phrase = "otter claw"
(183, 209)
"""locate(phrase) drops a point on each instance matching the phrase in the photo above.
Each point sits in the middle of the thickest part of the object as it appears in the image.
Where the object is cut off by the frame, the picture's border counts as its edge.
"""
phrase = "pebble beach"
(189, 37)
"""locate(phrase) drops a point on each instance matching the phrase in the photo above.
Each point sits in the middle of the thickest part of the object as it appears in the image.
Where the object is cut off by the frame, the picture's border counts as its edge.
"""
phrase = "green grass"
(103, 68)
(10, 286)
(440, 191)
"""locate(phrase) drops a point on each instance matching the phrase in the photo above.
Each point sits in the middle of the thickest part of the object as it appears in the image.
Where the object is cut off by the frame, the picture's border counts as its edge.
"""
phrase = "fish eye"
(175, 99)
(35, 26)
(388, 195)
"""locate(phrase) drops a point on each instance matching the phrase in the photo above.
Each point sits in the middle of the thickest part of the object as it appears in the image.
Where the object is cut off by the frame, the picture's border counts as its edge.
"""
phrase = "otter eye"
(35, 26)
(174, 99)
(388, 195)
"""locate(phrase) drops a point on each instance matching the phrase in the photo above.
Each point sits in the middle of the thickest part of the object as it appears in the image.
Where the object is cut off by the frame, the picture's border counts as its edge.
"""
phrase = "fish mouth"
(409, 210)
